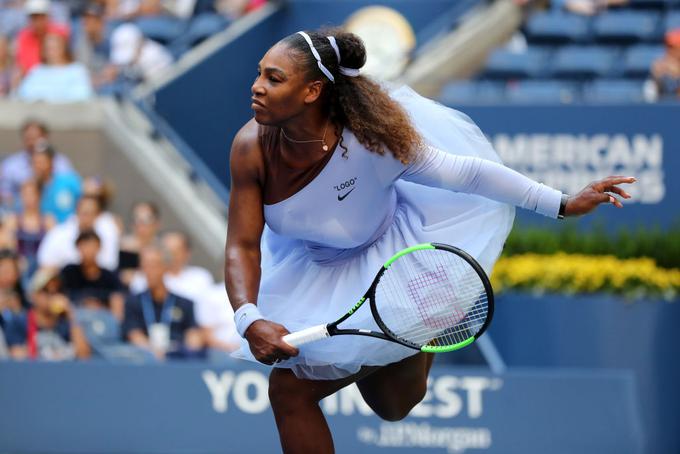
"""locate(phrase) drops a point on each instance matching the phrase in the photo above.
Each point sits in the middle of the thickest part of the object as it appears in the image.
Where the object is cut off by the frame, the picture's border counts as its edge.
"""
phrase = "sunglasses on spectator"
(144, 220)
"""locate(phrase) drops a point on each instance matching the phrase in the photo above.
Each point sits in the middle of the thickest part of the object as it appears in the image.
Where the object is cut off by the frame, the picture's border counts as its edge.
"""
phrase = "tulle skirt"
(298, 290)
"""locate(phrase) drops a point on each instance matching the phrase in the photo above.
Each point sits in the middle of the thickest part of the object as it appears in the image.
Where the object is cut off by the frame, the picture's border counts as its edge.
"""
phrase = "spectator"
(18, 167)
(49, 330)
(59, 191)
(181, 278)
(8, 74)
(146, 221)
(12, 17)
(58, 248)
(89, 285)
(215, 315)
(58, 78)
(92, 46)
(10, 307)
(130, 9)
(666, 69)
(10, 276)
(586, 7)
(30, 39)
(157, 319)
(7, 240)
(28, 227)
(233, 9)
(137, 57)
(104, 191)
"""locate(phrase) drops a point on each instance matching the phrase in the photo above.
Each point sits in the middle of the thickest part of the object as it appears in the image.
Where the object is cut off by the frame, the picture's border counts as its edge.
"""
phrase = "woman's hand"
(266, 342)
(596, 193)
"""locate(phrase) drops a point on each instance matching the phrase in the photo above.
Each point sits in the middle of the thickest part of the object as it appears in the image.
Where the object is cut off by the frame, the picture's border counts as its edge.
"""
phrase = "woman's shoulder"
(246, 149)
(246, 138)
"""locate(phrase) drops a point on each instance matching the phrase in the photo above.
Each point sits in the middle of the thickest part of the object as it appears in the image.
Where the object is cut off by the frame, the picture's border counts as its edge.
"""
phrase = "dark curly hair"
(358, 103)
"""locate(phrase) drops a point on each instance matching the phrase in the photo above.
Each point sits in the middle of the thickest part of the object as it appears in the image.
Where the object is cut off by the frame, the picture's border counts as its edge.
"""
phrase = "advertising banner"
(196, 408)
(567, 147)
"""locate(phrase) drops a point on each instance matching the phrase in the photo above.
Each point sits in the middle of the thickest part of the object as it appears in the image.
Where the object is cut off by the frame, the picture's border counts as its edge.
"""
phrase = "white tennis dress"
(322, 247)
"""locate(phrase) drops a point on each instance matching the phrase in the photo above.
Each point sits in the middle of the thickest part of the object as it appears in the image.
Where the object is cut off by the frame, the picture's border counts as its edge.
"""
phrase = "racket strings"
(432, 297)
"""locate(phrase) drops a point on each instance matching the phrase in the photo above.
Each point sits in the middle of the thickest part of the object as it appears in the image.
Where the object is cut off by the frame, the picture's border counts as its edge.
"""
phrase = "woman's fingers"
(619, 191)
(616, 202)
(608, 182)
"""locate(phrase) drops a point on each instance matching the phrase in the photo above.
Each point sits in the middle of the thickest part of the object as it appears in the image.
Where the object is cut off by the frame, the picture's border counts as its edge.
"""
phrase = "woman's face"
(55, 50)
(9, 273)
(145, 223)
(42, 166)
(30, 195)
(4, 49)
(281, 90)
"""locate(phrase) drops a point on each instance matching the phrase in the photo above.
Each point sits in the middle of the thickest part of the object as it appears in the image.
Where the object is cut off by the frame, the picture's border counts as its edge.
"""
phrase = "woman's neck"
(320, 131)
(30, 211)
(58, 63)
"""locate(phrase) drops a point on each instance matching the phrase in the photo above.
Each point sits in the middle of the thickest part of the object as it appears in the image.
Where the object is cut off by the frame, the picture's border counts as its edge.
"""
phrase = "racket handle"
(306, 335)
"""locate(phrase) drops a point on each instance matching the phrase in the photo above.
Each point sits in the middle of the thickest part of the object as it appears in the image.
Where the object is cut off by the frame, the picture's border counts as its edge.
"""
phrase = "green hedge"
(661, 245)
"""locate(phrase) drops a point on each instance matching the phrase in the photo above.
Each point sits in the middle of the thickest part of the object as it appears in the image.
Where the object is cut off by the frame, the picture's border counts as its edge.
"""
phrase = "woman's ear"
(313, 91)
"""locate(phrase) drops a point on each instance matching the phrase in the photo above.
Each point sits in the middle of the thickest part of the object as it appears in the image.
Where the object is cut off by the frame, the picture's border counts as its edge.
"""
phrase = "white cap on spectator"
(126, 41)
(37, 7)
(130, 47)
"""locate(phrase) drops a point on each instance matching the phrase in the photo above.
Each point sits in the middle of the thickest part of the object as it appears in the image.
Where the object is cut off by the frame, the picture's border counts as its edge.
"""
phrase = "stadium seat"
(125, 353)
(614, 90)
(638, 59)
(627, 26)
(672, 20)
(542, 91)
(162, 29)
(505, 64)
(100, 326)
(558, 27)
(652, 4)
(585, 62)
(472, 92)
(103, 334)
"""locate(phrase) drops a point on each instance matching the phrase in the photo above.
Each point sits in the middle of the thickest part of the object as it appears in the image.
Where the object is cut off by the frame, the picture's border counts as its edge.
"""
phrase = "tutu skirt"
(298, 290)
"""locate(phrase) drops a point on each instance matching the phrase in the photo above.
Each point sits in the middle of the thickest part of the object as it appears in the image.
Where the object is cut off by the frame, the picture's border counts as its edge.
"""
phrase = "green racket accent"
(356, 306)
(446, 348)
(403, 252)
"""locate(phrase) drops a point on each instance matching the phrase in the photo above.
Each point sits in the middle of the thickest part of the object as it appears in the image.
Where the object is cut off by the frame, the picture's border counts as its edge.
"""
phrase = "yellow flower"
(585, 273)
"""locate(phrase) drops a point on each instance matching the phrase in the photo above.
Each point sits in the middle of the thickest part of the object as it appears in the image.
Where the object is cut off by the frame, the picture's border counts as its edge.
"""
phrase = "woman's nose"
(257, 88)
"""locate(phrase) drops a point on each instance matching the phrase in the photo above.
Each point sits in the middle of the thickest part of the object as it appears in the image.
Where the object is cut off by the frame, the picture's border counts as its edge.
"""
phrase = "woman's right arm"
(242, 252)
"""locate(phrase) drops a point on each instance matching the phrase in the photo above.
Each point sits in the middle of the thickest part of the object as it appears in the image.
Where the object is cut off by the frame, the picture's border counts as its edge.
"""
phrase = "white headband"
(345, 71)
(318, 57)
(351, 72)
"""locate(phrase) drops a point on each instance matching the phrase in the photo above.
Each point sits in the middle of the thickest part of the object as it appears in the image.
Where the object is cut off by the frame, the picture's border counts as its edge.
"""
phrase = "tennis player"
(334, 174)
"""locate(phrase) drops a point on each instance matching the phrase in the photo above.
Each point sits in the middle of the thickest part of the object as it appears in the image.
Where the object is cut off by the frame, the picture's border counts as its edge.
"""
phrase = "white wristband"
(245, 316)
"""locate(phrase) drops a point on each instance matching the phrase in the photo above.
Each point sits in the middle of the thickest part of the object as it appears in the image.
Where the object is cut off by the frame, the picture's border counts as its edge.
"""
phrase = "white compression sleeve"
(473, 175)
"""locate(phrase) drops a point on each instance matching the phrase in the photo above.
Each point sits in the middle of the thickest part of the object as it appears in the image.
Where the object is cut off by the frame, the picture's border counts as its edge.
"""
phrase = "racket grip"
(306, 335)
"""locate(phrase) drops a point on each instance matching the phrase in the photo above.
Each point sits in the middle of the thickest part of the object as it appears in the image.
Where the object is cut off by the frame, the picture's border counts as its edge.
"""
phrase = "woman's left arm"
(492, 180)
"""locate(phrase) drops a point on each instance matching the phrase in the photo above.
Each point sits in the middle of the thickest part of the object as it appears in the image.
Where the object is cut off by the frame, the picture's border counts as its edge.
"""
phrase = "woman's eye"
(274, 80)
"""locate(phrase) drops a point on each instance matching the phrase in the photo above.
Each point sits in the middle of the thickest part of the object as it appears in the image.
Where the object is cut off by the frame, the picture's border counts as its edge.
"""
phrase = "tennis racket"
(431, 297)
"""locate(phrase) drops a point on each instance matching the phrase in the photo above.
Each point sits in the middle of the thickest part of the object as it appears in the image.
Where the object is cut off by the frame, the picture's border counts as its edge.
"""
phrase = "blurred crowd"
(665, 71)
(70, 50)
(78, 281)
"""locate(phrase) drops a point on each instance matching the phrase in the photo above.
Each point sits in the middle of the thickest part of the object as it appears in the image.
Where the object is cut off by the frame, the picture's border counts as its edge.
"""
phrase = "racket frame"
(387, 334)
